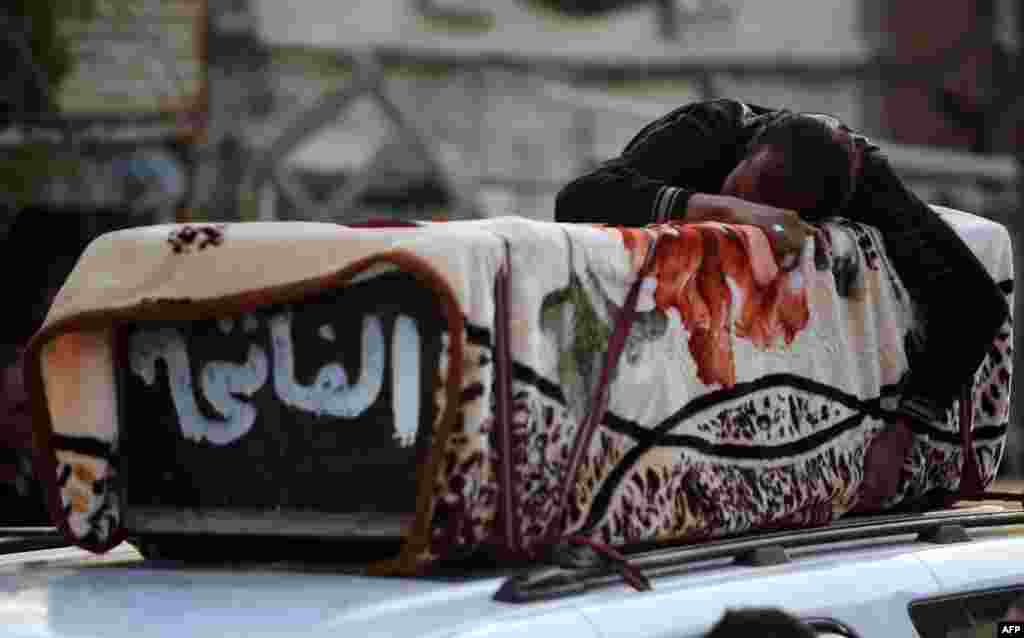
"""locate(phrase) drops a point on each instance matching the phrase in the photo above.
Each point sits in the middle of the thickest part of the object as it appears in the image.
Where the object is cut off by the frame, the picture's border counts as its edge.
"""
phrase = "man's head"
(1016, 611)
(803, 162)
(756, 621)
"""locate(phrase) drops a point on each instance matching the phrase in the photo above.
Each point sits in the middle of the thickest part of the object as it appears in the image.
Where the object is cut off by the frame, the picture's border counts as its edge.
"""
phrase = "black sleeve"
(690, 149)
(961, 306)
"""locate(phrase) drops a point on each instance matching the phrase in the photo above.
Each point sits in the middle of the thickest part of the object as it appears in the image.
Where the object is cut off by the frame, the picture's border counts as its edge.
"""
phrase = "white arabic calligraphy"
(227, 385)
(220, 382)
(405, 380)
(330, 392)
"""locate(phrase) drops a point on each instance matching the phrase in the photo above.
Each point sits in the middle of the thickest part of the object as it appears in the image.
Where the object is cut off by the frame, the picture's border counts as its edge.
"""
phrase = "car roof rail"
(942, 527)
(27, 539)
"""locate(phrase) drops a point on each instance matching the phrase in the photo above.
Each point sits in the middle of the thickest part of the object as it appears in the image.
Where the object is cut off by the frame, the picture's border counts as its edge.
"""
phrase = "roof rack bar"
(19, 545)
(554, 582)
(763, 556)
(14, 540)
(6, 530)
(944, 534)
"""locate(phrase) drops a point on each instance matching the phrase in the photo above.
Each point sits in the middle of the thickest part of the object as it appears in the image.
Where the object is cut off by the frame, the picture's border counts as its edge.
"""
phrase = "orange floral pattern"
(723, 281)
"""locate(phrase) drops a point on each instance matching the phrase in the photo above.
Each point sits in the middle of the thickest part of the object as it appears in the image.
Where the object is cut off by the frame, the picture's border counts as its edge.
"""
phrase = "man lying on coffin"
(732, 162)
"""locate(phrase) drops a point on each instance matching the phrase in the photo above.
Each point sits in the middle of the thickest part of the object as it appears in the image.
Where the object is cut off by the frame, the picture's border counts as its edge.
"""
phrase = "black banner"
(320, 407)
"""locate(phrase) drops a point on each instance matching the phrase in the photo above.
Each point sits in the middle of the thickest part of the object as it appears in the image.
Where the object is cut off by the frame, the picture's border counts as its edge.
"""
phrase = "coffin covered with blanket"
(485, 386)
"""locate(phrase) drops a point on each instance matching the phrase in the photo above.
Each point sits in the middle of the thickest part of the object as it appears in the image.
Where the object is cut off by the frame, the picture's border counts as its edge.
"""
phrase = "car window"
(970, 615)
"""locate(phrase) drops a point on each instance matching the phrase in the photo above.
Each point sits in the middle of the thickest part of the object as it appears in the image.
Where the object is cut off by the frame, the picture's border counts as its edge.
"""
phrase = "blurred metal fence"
(266, 170)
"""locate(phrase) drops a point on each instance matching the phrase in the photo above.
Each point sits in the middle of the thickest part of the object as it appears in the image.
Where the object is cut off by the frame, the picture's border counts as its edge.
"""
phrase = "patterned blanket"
(738, 398)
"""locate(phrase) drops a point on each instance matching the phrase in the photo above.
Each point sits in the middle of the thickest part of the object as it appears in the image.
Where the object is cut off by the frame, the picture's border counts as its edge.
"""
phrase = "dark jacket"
(694, 148)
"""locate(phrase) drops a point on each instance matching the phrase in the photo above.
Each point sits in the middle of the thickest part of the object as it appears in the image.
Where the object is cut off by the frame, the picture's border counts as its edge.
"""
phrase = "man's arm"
(672, 170)
(690, 150)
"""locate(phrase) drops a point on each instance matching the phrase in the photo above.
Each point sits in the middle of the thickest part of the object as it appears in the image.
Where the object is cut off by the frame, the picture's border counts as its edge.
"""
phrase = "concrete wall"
(527, 131)
(497, 126)
(827, 29)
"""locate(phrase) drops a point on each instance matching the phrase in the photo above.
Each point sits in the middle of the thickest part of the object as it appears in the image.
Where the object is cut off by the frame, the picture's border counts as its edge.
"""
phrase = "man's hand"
(785, 230)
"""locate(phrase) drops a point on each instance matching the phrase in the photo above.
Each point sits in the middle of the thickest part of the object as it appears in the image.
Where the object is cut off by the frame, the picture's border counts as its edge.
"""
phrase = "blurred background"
(116, 113)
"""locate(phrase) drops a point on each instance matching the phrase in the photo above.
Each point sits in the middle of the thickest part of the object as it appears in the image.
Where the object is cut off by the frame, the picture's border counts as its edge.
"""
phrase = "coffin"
(487, 386)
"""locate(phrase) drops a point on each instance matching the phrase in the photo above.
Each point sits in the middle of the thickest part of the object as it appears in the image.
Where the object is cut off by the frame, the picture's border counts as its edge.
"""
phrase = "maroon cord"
(971, 488)
(630, 573)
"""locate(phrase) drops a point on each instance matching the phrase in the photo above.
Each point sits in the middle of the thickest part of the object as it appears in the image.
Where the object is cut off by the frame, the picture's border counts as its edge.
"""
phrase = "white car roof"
(867, 584)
